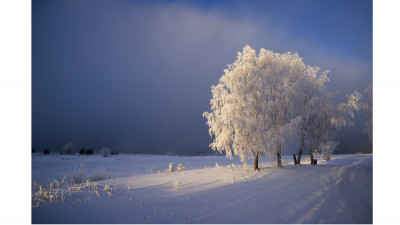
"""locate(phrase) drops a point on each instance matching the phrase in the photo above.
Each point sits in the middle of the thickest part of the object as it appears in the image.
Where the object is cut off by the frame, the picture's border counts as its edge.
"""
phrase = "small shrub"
(107, 188)
(176, 186)
(105, 152)
(190, 221)
(82, 151)
(33, 150)
(78, 176)
(99, 175)
(171, 167)
(46, 152)
(180, 167)
(116, 153)
(68, 149)
(89, 151)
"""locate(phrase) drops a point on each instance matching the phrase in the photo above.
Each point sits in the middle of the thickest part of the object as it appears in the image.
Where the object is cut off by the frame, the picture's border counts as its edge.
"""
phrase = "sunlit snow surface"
(211, 189)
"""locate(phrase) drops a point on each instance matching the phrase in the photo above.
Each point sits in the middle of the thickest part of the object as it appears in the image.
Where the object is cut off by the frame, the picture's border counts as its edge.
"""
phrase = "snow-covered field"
(211, 189)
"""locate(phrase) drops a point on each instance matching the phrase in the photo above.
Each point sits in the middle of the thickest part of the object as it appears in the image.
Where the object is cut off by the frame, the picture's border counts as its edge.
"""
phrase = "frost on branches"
(327, 119)
(367, 106)
(326, 149)
(263, 100)
(305, 96)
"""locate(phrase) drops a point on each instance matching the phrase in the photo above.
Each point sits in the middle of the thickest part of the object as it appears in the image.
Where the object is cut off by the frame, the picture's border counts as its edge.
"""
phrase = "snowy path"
(338, 191)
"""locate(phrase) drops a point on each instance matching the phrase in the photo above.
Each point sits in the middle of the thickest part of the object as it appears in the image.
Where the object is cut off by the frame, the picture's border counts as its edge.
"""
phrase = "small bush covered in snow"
(176, 186)
(105, 152)
(171, 167)
(107, 188)
(180, 167)
(68, 149)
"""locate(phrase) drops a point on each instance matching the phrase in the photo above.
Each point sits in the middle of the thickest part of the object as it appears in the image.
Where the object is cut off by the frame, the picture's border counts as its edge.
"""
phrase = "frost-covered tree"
(327, 120)
(262, 100)
(305, 94)
(105, 152)
(322, 124)
(236, 108)
(68, 149)
(282, 73)
(367, 106)
(250, 108)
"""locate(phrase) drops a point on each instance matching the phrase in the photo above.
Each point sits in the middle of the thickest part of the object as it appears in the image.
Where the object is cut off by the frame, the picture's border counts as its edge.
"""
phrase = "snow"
(211, 189)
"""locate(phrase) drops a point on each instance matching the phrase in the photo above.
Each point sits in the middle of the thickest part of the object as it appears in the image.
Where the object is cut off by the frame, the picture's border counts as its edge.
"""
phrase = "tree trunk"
(303, 130)
(299, 156)
(278, 154)
(294, 159)
(312, 158)
(300, 150)
(256, 161)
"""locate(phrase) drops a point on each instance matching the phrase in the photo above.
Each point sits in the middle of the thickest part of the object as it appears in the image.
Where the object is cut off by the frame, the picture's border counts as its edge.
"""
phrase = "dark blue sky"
(135, 76)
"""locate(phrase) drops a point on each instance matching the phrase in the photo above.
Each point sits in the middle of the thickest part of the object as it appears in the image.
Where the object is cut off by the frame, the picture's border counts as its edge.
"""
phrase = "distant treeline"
(82, 151)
